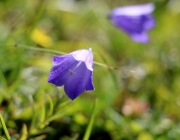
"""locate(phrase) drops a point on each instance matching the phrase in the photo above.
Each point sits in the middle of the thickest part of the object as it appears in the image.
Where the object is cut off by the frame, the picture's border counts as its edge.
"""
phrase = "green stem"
(62, 53)
(39, 49)
(90, 125)
(4, 128)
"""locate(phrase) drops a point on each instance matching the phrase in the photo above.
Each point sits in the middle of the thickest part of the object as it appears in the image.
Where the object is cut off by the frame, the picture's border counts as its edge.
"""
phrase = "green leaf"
(24, 133)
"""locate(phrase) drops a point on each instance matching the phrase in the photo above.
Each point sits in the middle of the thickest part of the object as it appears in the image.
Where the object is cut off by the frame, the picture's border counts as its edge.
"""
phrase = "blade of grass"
(90, 125)
(39, 49)
(4, 128)
(24, 132)
(42, 116)
(40, 12)
(33, 48)
(50, 106)
(1, 138)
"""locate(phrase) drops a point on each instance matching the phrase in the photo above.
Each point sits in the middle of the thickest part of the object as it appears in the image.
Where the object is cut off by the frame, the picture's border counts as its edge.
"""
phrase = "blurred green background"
(143, 104)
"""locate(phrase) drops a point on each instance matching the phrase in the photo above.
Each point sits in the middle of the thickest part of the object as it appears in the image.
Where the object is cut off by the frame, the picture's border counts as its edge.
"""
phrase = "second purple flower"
(134, 20)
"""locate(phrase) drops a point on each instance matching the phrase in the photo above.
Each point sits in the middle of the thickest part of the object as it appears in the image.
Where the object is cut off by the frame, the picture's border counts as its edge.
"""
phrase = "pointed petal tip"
(72, 96)
(51, 82)
(90, 87)
(142, 38)
(89, 90)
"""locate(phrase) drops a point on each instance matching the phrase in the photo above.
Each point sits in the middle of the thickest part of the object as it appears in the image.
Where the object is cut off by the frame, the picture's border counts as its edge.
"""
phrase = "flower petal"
(85, 56)
(77, 82)
(134, 10)
(129, 24)
(60, 73)
(149, 22)
(140, 37)
(60, 59)
(90, 85)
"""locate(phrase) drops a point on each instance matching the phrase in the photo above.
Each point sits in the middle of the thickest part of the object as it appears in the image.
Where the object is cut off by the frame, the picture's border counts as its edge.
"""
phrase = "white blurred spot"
(174, 5)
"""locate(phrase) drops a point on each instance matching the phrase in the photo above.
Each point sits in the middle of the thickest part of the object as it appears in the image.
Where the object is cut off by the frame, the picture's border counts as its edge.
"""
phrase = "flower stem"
(39, 49)
(4, 128)
(62, 53)
(114, 68)
(90, 125)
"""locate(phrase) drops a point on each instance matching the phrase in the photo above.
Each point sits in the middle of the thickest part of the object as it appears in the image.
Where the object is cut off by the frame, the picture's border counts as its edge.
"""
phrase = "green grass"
(142, 105)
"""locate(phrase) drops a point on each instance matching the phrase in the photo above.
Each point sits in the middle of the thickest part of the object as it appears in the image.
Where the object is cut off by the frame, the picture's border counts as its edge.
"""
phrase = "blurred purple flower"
(74, 71)
(134, 20)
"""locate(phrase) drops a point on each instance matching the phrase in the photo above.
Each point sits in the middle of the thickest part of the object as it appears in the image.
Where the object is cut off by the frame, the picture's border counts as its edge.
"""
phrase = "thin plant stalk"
(4, 128)
(62, 53)
(91, 122)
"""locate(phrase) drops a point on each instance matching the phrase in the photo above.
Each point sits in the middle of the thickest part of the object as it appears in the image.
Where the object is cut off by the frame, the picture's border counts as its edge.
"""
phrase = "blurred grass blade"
(34, 116)
(42, 5)
(1, 138)
(35, 48)
(90, 125)
(24, 132)
(39, 49)
(4, 128)
(42, 115)
(50, 105)
(3, 82)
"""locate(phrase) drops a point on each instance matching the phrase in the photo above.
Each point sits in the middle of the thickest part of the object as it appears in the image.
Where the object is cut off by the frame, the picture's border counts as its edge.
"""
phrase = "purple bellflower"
(135, 20)
(74, 71)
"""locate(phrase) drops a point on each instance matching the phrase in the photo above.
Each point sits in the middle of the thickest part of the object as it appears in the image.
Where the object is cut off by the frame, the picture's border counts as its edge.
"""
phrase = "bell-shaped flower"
(74, 71)
(135, 20)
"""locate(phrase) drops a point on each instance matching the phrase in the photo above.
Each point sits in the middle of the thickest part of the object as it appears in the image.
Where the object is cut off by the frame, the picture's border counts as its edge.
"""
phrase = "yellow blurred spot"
(39, 37)
(145, 136)
(136, 127)
(80, 119)
(24, 132)
(109, 125)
